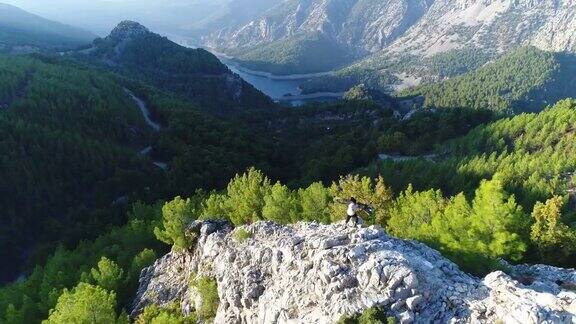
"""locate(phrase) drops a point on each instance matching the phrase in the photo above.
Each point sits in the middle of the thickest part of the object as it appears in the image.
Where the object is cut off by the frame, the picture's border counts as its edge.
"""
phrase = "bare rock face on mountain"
(420, 28)
(312, 273)
(362, 25)
(491, 25)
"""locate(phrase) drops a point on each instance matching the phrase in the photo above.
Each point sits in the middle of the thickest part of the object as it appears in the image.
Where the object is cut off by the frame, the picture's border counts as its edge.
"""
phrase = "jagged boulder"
(313, 273)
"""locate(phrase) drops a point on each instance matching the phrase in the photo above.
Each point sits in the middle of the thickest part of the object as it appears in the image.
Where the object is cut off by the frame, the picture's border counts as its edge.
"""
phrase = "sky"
(100, 16)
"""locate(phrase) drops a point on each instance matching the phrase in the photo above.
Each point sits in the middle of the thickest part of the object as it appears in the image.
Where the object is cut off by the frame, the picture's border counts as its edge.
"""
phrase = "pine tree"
(280, 205)
(176, 216)
(497, 222)
(214, 207)
(246, 196)
(555, 242)
(108, 274)
(85, 304)
(315, 201)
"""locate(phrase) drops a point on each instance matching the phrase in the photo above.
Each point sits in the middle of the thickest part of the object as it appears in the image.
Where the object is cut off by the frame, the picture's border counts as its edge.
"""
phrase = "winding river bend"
(284, 88)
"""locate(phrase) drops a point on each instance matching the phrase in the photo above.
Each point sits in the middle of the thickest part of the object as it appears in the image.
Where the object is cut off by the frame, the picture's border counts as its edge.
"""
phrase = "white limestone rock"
(313, 273)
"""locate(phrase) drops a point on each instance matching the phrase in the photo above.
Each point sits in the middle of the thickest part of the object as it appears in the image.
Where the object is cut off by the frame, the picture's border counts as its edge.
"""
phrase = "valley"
(281, 88)
(427, 177)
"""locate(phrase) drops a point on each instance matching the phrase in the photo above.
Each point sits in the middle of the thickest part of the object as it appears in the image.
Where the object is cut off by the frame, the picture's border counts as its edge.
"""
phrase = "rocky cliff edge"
(313, 273)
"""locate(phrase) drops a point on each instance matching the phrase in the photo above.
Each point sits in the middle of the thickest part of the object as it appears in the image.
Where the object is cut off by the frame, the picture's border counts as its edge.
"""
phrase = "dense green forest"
(65, 136)
(108, 265)
(321, 141)
(196, 74)
(202, 151)
(531, 153)
(381, 71)
(303, 53)
(524, 80)
(71, 138)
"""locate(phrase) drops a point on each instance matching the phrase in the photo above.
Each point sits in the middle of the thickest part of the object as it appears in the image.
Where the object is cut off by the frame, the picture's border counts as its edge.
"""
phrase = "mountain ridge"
(136, 52)
(421, 28)
(19, 28)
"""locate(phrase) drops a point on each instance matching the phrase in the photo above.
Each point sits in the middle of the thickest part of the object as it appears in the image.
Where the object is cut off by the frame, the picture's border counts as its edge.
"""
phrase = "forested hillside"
(196, 74)
(66, 133)
(21, 31)
(524, 80)
(531, 155)
(396, 72)
(302, 53)
(71, 138)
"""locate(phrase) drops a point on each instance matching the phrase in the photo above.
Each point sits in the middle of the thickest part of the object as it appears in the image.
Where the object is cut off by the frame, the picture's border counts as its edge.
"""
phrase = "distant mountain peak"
(128, 29)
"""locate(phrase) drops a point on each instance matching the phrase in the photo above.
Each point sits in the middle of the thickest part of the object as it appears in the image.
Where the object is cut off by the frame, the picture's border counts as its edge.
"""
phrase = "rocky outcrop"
(312, 273)
(127, 30)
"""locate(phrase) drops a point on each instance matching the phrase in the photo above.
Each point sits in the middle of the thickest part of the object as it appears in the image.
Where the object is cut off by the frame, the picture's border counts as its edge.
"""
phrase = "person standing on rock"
(352, 211)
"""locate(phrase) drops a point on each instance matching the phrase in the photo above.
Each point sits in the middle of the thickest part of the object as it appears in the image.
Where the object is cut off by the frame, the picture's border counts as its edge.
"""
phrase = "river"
(281, 88)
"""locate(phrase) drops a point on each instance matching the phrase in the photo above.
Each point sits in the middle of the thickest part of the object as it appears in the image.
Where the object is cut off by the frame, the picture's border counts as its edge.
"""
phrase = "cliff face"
(491, 25)
(421, 28)
(311, 273)
(362, 25)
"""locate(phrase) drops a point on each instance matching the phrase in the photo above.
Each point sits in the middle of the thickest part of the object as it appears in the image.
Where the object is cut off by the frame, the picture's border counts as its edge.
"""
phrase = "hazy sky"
(99, 16)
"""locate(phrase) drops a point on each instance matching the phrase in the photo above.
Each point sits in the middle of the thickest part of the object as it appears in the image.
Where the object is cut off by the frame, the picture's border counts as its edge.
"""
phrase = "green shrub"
(242, 235)
(208, 289)
(171, 314)
(142, 260)
(373, 315)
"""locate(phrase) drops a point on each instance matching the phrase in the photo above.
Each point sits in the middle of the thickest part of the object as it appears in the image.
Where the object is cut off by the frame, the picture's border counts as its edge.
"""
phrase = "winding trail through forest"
(144, 110)
(154, 125)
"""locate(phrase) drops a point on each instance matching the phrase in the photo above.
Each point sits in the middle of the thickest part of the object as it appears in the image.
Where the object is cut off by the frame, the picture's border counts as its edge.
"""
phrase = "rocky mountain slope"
(398, 27)
(364, 26)
(136, 52)
(311, 273)
(498, 25)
